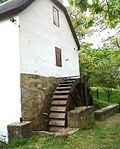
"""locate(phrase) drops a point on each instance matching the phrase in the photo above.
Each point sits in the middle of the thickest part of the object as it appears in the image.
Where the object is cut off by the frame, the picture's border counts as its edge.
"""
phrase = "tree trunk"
(109, 94)
(97, 93)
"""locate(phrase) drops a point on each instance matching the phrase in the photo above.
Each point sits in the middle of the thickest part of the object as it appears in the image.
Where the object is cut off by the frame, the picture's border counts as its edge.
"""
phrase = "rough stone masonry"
(36, 93)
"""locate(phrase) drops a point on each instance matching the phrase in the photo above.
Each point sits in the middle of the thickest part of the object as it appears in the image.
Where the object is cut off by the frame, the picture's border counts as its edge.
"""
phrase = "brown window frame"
(58, 54)
(56, 16)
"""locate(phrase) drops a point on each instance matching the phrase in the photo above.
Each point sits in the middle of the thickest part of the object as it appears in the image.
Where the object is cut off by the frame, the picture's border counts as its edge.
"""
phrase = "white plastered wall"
(39, 37)
(10, 109)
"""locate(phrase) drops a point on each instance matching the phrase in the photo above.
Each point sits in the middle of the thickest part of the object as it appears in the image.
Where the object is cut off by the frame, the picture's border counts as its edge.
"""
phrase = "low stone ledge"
(18, 129)
(64, 134)
(105, 112)
(47, 133)
(81, 117)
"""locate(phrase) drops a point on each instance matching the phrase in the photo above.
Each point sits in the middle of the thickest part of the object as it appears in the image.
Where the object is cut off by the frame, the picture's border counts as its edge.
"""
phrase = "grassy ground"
(115, 97)
(102, 135)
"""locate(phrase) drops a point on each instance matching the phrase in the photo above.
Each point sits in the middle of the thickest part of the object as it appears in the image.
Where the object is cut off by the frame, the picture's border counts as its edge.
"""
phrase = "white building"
(41, 31)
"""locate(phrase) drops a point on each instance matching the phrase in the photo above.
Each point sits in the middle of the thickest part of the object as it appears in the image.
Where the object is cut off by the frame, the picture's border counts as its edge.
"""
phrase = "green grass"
(97, 136)
(115, 96)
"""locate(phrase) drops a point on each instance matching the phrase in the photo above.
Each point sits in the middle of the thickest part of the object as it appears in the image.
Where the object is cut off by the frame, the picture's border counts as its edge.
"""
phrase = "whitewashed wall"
(38, 38)
(9, 74)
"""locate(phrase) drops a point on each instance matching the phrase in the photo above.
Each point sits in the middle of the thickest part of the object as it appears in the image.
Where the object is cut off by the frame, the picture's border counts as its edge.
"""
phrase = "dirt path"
(111, 121)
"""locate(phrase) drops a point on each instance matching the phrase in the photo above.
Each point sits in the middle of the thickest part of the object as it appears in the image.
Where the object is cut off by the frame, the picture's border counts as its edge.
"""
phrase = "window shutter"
(58, 57)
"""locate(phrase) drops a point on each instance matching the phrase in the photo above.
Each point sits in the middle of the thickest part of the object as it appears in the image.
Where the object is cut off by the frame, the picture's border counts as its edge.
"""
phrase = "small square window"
(56, 16)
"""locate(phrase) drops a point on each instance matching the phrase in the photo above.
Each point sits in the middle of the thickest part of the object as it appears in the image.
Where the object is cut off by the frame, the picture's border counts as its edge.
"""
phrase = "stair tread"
(73, 78)
(57, 115)
(63, 88)
(58, 108)
(67, 81)
(57, 122)
(58, 102)
(64, 85)
(60, 97)
(62, 92)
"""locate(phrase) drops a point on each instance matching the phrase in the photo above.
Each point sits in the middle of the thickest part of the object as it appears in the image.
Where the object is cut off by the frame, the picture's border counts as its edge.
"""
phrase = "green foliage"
(89, 22)
(2, 1)
(96, 136)
(86, 61)
(78, 20)
(101, 66)
(109, 9)
(18, 142)
(115, 97)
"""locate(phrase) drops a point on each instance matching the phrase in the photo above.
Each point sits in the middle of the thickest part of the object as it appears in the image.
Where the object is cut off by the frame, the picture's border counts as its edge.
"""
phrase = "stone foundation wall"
(81, 117)
(36, 93)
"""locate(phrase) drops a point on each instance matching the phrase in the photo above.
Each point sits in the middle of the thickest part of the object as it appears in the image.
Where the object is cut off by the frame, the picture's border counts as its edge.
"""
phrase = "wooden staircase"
(70, 93)
(58, 105)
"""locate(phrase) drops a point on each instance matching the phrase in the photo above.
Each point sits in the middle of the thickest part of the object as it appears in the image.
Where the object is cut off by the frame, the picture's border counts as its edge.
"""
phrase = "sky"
(65, 2)
(97, 38)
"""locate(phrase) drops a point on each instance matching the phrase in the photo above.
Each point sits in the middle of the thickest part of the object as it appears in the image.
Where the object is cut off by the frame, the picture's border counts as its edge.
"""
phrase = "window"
(55, 16)
(58, 57)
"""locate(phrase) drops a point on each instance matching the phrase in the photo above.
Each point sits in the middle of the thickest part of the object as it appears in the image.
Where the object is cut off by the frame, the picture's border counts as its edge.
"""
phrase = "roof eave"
(22, 4)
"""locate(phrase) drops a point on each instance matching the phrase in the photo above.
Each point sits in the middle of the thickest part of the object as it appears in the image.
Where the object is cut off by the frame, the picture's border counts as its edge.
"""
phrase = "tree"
(109, 10)
(86, 61)
(109, 75)
(78, 20)
(101, 66)
(2, 1)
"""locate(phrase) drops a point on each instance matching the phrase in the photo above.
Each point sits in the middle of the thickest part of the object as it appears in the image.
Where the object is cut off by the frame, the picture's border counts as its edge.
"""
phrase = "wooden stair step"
(58, 102)
(67, 82)
(57, 122)
(56, 129)
(64, 85)
(58, 108)
(57, 115)
(72, 79)
(62, 92)
(63, 88)
(60, 97)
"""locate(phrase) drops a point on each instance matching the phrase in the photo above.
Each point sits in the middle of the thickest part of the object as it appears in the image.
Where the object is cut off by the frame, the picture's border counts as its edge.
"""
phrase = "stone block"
(18, 129)
(81, 117)
(105, 112)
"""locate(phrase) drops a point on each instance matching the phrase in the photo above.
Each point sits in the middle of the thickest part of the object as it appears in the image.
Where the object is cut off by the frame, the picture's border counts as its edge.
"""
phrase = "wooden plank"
(63, 88)
(57, 115)
(58, 108)
(57, 129)
(62, 92)
(59, 102)
(64, 85)
(67, 82)
(57, 122)
(60, 97)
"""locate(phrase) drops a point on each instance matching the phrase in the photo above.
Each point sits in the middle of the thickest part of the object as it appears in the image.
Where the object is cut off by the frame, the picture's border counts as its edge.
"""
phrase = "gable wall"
(9, 74)
(38, 38)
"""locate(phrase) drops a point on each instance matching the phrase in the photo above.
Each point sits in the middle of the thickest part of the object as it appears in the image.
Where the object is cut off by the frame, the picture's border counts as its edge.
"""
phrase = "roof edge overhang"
(15, 6)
